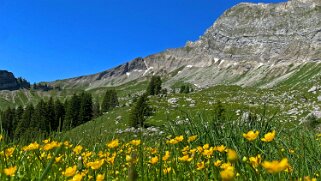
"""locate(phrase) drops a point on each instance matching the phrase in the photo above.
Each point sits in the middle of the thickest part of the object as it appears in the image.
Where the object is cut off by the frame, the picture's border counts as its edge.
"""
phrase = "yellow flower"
(206, 146)
(166, 156)
(32, 146)
(58, 159)
(167, 170)
(185, 158)
(200, 165)
(231, 155)
(228, 174)
(77, 149)
(255, 161)
(100, 177)
(70, 171)
(276, 166)
(251, 135)
(179, 138)
(268, 137)
(153, 160)
(135, 142)
(52, 145)
(172, 142)
(113, 144)
(218, 163)
(192, 138)
(225, 166)
(77, 177)
(11, 171)
(220, 148)
(96, 164)
(1, 137)
(209, 152)
(9, 151)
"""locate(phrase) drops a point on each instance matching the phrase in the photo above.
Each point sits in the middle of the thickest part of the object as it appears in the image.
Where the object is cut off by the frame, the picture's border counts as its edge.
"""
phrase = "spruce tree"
(86, 108)
(72, 112)
(110, 101)
(59, 114)
(50, 113)
(139, 113)
(154, 86)
(24, 123)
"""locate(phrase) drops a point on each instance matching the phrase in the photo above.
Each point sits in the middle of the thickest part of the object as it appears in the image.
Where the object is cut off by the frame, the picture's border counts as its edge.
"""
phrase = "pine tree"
(96, 109)
(50, 114)
(24, 123)
(59, 114)
(140, 112)
(110, 101)
(40, 122)
(154, 86)
(86, 108)
(72, 112)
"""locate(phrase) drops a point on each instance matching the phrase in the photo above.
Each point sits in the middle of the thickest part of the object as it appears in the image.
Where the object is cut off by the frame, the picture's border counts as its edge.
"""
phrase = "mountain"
(250, 44)
(9, 82)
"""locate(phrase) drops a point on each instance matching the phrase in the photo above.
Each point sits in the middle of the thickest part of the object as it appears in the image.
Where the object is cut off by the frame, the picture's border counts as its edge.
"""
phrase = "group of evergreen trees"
(110, 101)
(47, 116)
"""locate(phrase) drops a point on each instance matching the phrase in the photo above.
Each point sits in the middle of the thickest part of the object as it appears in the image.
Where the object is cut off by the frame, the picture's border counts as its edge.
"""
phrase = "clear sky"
(45, 40)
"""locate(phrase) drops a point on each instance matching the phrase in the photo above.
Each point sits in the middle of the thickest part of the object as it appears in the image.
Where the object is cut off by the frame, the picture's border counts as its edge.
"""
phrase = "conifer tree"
(110, 101)
(154, 86)
(86, 108)
(139, 113)
(59, 114)
(24, 123)
(72, 112)
(50, 113)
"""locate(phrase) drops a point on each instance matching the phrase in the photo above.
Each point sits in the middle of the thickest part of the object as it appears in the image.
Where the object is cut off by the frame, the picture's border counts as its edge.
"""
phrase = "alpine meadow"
(243, 102)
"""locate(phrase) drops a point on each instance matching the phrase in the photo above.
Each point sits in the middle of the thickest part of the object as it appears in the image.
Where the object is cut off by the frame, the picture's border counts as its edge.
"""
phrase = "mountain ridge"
(249, 40)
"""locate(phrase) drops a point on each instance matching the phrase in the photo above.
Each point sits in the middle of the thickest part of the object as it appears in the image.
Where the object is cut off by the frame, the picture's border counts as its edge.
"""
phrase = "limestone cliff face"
(255, 40)
(7, 81)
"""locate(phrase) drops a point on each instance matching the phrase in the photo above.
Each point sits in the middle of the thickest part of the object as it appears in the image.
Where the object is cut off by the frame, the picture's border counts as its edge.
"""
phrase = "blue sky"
(45, 40)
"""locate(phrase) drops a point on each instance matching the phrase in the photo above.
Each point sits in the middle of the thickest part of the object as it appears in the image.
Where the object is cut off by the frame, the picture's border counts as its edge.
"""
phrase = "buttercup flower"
(268, 137)
(251, 135)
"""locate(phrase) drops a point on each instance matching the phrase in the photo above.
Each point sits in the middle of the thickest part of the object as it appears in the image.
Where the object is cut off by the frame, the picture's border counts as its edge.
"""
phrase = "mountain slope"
(249, 44)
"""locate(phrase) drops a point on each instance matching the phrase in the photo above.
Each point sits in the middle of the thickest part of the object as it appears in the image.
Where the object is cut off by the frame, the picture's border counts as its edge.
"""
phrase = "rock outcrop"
(8, 81)
(248, 43)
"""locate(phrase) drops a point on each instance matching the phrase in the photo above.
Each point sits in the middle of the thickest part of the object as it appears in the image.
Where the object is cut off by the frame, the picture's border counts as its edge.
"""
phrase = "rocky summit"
(7, 81)
(249, 44)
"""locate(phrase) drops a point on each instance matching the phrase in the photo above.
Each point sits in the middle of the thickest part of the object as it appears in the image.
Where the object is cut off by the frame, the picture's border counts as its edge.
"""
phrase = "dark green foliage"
(40, 122)
(185, 89)
(23, 83)
(219, 111)
(24, 123)
(72, 107)
(154, 86)
(7, 120)
(96, 109)
(139, 113)
(50, 114)
(110, 101)
(86, 108)
(59, 114)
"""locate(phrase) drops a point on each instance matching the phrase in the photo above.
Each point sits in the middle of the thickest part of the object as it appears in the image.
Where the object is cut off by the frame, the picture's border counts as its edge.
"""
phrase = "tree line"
(50, 116)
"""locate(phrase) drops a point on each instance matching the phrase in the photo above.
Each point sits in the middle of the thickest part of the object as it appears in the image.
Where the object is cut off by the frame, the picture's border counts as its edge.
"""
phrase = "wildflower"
(244, 159)
(166, 156)
(153, 160)
(228, 174)
(58, 159)
(276, 166)
(255, 161)
(135, 142)
(225, 166)
(50, 146)
(218, 163)
(231, 155)
(192, 138)
(96, 164)
(11, 171)
(251, 135)
(185, 158)
(77, 149)
(220, 148)
(9, 151)
(167, 170)
(308, 178)
(268, 137)
(206, 146)
(179, 138)
(113, 144)
(172, 142)
(100, 177)
(208, 152)
(70, 171)
(1, 137)
(200, 165)
(153, 151)
(77, 177)
(32, 146)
